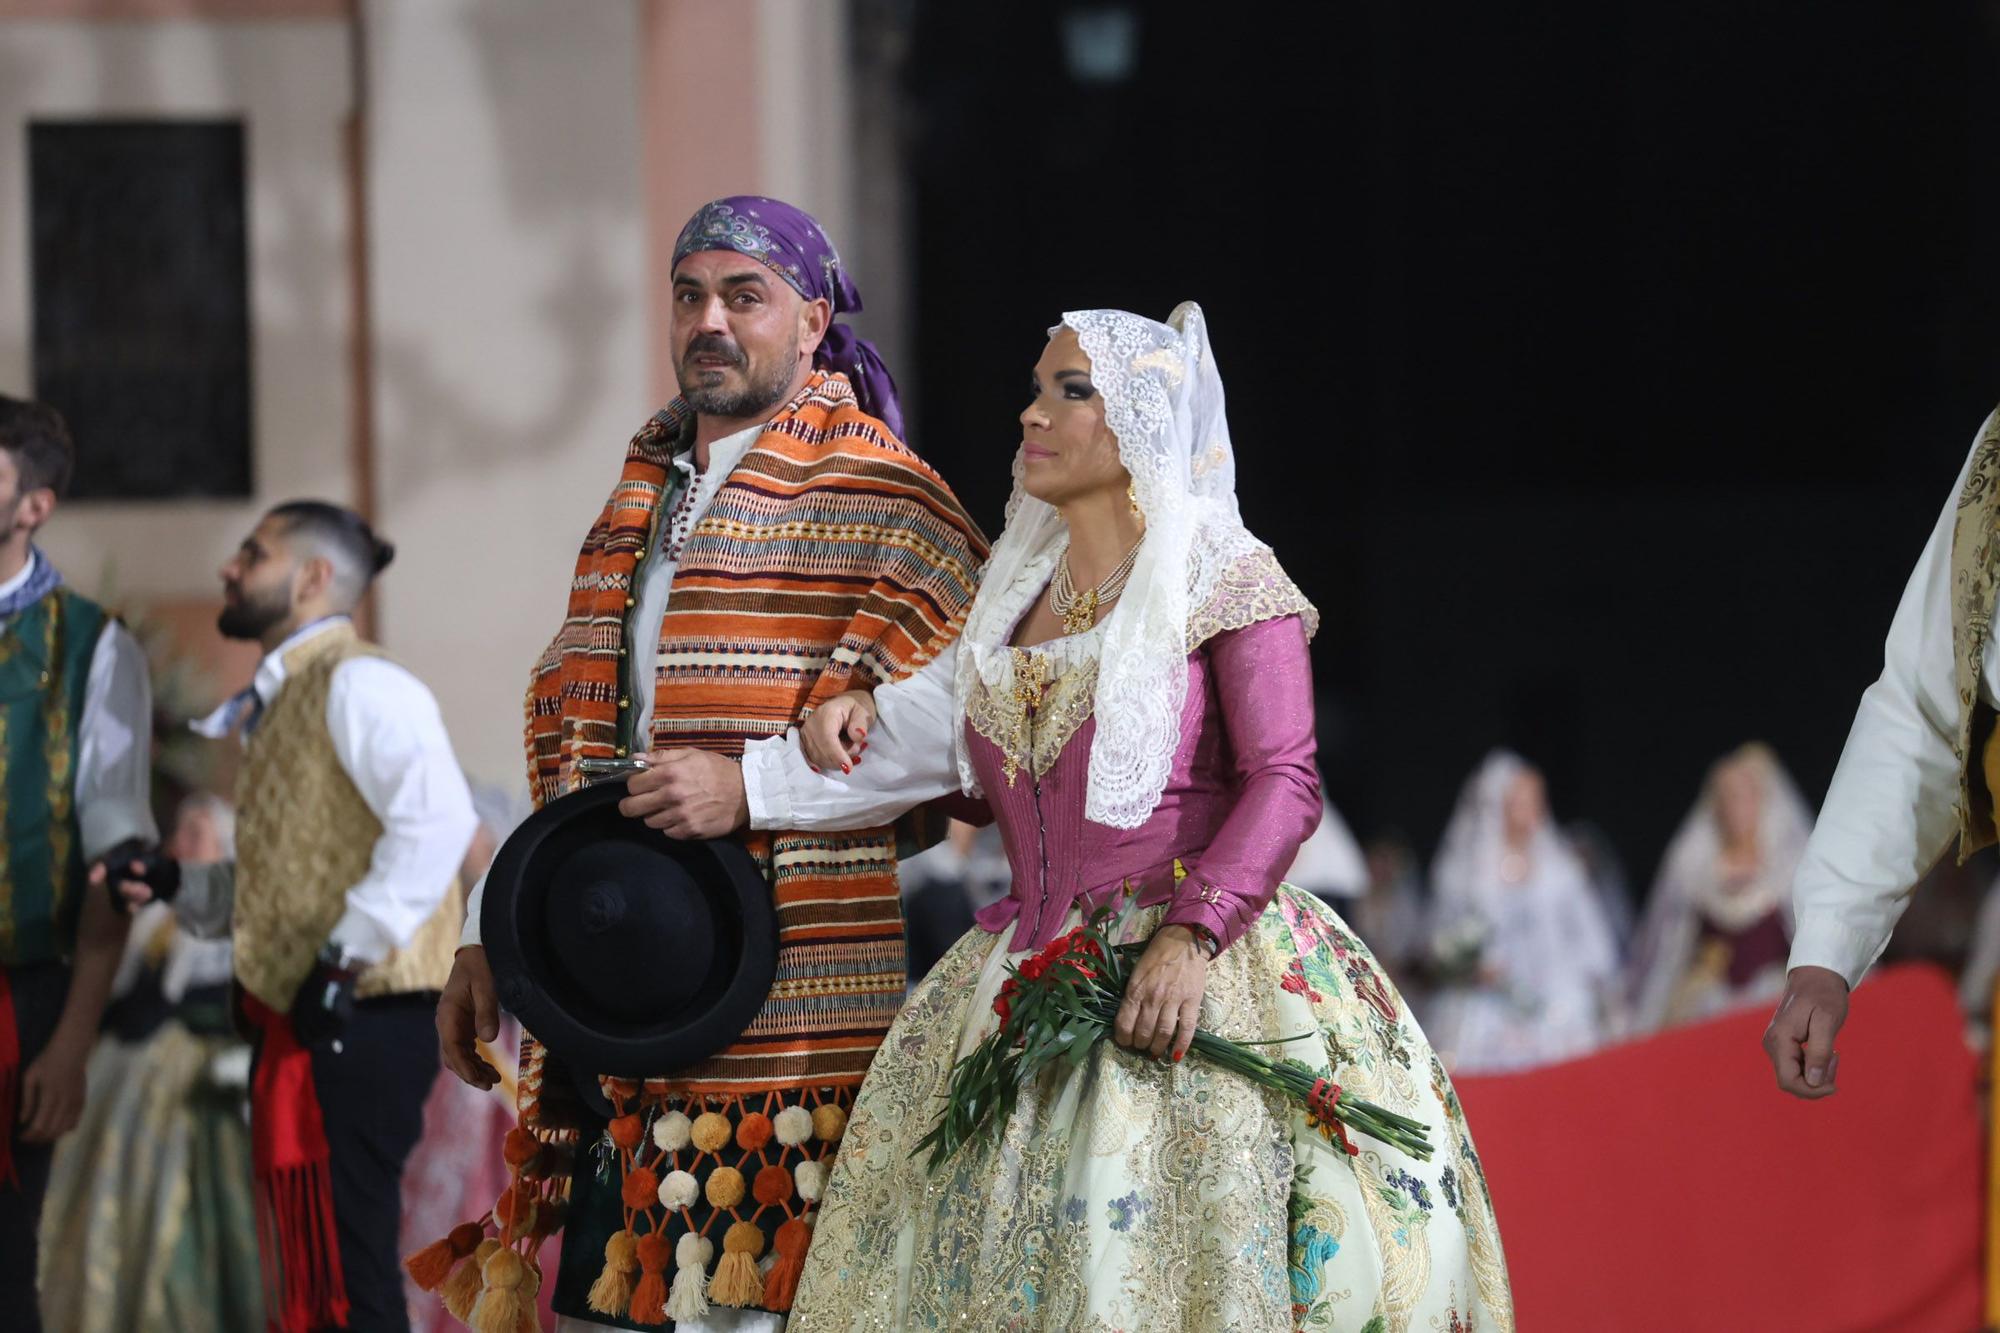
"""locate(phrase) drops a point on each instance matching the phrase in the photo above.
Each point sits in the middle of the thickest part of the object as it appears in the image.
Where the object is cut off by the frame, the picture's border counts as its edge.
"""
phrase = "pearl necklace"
(1078, 611)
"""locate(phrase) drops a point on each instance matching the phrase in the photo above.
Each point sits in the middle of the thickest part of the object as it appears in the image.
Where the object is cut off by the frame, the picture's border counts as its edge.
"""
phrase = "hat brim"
(533, 983)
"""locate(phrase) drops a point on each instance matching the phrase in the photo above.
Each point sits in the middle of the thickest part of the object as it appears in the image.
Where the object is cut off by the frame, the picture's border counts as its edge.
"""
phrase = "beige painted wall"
(507, 231)
(529, 163)
(290, 82)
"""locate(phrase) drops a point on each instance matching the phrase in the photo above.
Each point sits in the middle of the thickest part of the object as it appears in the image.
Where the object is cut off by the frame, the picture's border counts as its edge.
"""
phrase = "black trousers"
(39, 993)
(372, 1082)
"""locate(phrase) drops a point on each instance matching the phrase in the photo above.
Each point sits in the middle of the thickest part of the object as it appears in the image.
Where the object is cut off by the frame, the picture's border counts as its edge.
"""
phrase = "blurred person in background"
(1330, 865)
(1718, 926)
(945, 887)
(353, 822)
(1390, 917)
(150, 1221)
(76, 734)
(1525, 960)
(457, 1167)
(1606, 872)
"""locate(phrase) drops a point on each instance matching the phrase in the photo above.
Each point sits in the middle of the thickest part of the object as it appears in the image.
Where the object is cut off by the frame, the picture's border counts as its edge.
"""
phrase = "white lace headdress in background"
(1163, 401)
(1466, 876)
(1691, 884)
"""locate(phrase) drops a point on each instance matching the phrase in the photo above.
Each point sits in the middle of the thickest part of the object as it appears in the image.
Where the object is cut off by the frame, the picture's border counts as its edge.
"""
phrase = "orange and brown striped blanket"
(831, 558)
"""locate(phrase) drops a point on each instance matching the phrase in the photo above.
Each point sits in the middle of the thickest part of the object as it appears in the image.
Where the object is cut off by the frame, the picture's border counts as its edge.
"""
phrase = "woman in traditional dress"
(150, 1222)
(1132, 695)
(1718, 927)
(1526, 961)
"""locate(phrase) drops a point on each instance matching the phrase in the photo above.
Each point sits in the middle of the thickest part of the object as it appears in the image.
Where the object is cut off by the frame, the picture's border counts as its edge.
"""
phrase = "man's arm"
(1889, 814)
(390, 738)
(114, 771)
(52, 1088)
(113, 805)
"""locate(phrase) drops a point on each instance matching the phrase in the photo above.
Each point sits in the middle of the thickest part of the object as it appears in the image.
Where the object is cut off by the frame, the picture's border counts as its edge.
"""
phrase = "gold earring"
(1132, 498)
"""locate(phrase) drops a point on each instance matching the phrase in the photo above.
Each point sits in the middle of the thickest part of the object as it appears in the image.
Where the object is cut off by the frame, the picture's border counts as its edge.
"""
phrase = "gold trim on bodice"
(1029, 715)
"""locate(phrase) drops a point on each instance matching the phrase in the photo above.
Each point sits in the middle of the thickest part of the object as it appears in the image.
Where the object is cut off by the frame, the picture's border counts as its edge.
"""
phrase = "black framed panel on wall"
(139, 264)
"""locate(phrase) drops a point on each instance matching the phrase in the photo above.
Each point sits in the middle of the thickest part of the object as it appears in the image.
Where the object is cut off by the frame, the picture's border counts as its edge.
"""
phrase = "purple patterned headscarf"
(791, 243)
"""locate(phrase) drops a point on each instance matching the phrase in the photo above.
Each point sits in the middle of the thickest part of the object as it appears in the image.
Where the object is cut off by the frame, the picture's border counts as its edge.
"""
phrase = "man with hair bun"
(76, 729)
(353, 818)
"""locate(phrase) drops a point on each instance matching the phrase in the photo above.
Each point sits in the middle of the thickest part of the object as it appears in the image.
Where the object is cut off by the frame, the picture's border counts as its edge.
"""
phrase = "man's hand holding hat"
(688, 794)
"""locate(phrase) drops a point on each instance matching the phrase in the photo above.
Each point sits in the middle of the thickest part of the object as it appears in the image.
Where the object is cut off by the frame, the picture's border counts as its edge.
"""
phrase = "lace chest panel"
(1029, 702)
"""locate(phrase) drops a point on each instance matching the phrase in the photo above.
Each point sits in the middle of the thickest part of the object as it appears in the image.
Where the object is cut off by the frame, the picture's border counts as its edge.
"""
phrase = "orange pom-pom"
(725, 1187)
(829, 1122)
(792, 1239)
(754, 1132)
(516, 1211)
(627, 1131)
(649, 1298)
(520, 1147)
(654, 1252)
(743, 1238)
(773, 1186)
(781, 1284)
(430, 1266)
(641, 1190)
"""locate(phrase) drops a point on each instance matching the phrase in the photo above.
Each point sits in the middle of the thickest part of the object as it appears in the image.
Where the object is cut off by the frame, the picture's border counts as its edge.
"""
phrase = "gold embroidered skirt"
(1134, 1194)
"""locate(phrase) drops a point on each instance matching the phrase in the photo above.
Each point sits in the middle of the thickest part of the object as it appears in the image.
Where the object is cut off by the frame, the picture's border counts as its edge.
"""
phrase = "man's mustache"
(708, 344)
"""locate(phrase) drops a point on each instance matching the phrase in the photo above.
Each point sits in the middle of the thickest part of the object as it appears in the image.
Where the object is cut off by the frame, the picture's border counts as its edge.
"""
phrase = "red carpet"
(1669, 1185)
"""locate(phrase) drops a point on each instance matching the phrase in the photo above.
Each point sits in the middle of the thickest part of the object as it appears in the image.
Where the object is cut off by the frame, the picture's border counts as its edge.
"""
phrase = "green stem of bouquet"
(1072, 1010)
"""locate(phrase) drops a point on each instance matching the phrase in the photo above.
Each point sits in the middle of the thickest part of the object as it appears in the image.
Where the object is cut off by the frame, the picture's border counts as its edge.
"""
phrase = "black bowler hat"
(624, 951)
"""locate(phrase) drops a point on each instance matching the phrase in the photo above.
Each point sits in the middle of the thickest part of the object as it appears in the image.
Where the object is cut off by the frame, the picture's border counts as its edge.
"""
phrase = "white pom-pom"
(671, 1131)
(794, 1125)
(693, 1250)
(811, 1178)
(678, 1190)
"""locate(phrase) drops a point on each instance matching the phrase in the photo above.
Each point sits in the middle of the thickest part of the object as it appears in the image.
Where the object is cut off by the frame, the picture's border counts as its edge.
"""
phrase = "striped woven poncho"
(831, 558)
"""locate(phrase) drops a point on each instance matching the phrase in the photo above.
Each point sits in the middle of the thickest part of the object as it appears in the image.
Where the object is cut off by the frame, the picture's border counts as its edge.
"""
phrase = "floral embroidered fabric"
(1138, 1194)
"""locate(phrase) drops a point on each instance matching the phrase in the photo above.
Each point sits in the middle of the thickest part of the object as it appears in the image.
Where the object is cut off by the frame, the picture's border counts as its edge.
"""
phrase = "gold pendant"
(1082, 613)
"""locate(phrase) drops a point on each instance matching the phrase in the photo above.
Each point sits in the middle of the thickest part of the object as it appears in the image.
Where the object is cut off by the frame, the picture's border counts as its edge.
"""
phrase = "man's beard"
(756, 396)
(249, 618)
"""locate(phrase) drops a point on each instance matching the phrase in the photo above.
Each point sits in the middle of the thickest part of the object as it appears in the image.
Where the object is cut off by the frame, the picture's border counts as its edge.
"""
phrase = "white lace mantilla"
(1163, 400)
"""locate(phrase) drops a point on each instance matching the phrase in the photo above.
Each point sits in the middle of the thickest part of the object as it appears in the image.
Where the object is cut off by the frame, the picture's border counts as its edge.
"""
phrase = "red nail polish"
(1178, 1055)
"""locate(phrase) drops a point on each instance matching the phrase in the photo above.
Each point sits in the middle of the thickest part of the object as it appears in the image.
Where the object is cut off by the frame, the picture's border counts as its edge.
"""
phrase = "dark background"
(1599, 371)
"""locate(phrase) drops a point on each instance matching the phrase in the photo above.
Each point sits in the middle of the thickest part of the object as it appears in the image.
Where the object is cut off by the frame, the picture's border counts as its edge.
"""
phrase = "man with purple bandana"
(766, 376)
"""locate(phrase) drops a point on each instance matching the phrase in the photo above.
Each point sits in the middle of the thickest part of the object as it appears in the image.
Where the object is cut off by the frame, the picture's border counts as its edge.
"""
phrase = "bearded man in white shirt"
(353, 818)
(76, 729)
(1921, 769)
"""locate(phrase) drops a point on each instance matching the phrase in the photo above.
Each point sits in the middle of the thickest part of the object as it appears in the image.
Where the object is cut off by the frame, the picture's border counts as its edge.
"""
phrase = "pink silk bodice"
(1242, 796)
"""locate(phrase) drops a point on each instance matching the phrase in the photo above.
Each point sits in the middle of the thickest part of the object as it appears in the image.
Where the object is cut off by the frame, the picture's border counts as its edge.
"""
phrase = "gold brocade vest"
(305, 836)
(1975, 582)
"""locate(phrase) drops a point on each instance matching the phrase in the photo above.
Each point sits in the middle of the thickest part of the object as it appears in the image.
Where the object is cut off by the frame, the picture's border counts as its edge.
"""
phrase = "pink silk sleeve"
(1263, 678)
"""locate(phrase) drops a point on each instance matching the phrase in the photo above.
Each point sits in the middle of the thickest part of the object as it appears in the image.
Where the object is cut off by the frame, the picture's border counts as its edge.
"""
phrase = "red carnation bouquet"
(1056, 1007)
